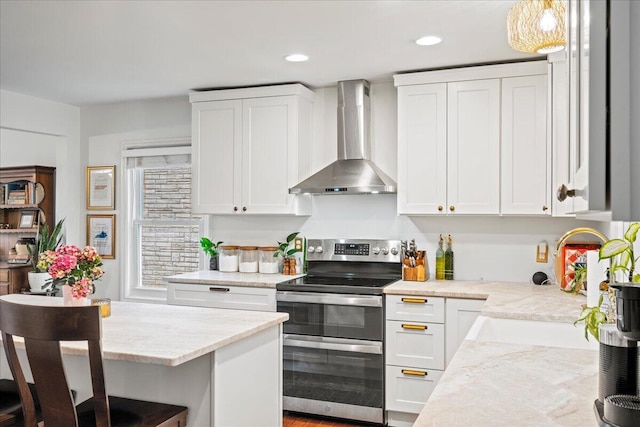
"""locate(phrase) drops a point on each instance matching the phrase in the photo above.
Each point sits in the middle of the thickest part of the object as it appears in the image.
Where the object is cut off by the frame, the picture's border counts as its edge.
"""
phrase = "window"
(161, 235)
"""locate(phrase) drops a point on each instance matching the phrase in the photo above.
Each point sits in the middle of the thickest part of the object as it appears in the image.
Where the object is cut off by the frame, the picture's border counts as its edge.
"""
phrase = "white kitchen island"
(224, 365)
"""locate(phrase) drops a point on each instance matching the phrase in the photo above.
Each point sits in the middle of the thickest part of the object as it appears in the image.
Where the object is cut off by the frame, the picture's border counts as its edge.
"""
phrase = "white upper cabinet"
(451, 138)
(249, 150)
(473, 161)
(525, 162)
(422, 148)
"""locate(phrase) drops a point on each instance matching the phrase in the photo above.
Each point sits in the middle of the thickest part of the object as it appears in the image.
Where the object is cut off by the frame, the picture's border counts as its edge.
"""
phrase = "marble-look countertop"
(503, 300)
(507, 384)
(165, 334)
(501, 384)
(214, 277)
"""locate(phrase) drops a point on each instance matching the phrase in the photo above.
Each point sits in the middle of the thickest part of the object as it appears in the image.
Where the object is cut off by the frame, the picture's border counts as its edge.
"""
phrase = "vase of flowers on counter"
(73, 270)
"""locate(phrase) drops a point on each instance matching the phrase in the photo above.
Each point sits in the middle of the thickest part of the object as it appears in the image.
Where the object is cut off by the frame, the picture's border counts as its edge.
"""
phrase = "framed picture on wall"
(101, 192)
(101, 234)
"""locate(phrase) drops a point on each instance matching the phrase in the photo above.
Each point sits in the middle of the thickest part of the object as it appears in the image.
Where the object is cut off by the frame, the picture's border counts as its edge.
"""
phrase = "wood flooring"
(298, 420)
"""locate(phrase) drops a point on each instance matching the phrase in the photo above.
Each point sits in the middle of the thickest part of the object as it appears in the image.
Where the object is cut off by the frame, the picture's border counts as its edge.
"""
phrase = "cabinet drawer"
(4, 275)
(222, 296)
(417, 309)
(408, 389)
(419, 345)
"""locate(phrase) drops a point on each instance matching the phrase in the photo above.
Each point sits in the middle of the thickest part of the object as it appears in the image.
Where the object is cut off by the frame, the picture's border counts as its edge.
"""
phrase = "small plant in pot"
(621, 255)
(210, 249)
(39, 278)
(287, 254)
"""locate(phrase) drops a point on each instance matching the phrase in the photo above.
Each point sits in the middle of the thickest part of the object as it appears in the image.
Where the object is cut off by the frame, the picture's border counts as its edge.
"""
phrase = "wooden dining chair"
(10, 403)
(43, 328)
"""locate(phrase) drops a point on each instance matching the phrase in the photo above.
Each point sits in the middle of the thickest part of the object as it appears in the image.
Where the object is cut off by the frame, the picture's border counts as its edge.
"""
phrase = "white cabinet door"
(268, 153)
(525, 159)
(473, 166)
(216, 154)
(415, 308)
(419, 345)
(559, 119)
(422, 149)
(460, 315)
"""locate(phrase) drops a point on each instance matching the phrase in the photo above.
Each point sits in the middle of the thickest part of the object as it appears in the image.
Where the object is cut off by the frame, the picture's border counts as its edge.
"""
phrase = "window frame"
(130, 289)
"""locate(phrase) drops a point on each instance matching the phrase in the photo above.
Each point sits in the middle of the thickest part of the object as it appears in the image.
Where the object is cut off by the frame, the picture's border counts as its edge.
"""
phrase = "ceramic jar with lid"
(248, 259)
(228, 258)
(269, 263)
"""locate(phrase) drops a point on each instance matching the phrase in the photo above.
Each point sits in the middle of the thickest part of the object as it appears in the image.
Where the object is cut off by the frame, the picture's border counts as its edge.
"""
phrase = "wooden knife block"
(419, 273)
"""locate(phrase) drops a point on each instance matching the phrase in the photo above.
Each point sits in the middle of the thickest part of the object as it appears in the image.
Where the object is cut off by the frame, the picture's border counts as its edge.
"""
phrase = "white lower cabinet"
(422, 334)
(222, 296)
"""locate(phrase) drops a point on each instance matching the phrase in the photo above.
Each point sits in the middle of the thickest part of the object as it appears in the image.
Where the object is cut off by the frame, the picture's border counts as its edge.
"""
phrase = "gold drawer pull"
(412, 372)
(408, 326)
(415, 300)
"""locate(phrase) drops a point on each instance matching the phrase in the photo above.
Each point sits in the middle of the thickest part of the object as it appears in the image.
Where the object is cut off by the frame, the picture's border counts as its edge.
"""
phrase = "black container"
(213, 263)
(628, 309)
(619, 373)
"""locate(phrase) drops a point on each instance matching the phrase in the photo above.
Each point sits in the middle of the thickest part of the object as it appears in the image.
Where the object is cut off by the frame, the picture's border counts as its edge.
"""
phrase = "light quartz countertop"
(508, 384)
(522, 301)
(165, 334)
(214, 277)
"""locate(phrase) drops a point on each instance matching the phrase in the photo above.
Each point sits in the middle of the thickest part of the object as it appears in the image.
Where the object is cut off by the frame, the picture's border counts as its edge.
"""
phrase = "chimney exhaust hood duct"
(353, 172)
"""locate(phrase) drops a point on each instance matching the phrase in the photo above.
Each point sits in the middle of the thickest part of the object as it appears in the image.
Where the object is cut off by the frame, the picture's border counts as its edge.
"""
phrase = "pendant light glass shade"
(537, 26)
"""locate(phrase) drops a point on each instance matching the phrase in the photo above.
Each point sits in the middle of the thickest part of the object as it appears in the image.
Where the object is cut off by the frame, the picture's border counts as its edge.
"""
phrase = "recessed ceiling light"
(296, 57)
(428, 40)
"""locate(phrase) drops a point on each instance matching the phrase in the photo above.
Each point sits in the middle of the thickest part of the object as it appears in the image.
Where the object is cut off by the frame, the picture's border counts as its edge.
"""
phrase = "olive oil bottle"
(440, 260)
(448, 259)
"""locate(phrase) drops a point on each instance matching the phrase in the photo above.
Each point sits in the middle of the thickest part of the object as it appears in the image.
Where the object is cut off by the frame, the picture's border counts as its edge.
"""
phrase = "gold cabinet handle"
(235, 209)
(415, 300)
(440, 208)
(412, 372)
(452, 208)
(545, 208)
(244, 209)
(409, 326)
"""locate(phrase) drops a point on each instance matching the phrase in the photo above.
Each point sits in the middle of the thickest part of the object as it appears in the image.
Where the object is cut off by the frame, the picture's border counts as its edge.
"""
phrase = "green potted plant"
(39, 278)
(287, 254)
(620, 252)
(621, 255)
(210, 249)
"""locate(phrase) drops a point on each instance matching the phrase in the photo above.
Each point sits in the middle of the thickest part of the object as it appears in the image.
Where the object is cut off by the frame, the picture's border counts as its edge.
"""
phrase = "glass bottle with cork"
(448, 259)
(440, 260)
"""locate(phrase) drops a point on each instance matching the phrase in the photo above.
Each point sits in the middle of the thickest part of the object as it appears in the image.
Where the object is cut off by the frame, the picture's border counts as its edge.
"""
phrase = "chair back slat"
(43, 327)
(26, 398)
(45, 361)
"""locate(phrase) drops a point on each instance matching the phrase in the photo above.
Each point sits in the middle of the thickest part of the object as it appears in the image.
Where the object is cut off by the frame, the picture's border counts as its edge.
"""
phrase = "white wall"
(28, 127)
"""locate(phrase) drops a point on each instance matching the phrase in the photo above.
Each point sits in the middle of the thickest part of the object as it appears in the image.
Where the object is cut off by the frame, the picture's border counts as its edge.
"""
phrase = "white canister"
(248, 259)
(228, 258)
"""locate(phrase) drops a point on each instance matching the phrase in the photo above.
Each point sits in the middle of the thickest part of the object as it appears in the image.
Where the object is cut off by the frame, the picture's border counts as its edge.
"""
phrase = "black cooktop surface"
(343, 285)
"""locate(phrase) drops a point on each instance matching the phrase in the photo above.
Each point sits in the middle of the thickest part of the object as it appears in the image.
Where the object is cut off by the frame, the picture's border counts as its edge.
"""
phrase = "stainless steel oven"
(334, 338)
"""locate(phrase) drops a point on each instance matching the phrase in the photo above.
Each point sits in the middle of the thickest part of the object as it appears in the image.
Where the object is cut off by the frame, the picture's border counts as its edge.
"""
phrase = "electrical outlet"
(297, 243)
(542, 252)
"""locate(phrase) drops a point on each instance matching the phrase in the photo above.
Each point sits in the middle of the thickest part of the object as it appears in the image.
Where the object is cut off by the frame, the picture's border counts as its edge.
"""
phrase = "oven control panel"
(353, 250)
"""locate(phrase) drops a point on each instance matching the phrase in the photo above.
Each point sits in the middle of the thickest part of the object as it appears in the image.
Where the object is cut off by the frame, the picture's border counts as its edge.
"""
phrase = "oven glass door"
(333, 315)
(328, 370)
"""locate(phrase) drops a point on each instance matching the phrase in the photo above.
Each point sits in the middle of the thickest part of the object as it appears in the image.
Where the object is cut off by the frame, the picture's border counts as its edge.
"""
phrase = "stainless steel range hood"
(353, 172)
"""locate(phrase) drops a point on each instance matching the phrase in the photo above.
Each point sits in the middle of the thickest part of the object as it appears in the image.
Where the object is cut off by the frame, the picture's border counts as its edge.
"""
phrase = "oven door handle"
(332, 299)
(327, 343)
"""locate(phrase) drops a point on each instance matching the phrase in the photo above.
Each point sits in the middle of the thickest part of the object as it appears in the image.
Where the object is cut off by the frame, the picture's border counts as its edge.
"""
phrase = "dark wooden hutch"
(27, 198)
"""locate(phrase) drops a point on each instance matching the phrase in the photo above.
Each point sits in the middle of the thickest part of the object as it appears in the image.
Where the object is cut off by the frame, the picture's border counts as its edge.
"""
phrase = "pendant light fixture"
(537, 26)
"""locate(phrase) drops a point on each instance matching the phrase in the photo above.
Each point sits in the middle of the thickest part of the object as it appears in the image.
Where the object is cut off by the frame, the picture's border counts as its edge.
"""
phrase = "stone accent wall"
(173, 248)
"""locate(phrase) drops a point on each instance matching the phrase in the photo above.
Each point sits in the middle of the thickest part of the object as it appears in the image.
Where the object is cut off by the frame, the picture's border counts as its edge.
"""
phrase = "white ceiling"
(86, 52)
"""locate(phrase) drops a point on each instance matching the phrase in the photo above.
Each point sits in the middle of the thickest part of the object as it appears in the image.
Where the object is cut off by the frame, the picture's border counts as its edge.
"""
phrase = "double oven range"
(333, 341)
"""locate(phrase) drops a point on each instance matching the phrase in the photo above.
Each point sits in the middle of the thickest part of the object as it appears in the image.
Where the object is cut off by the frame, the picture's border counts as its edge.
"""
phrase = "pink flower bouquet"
(72, 266)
